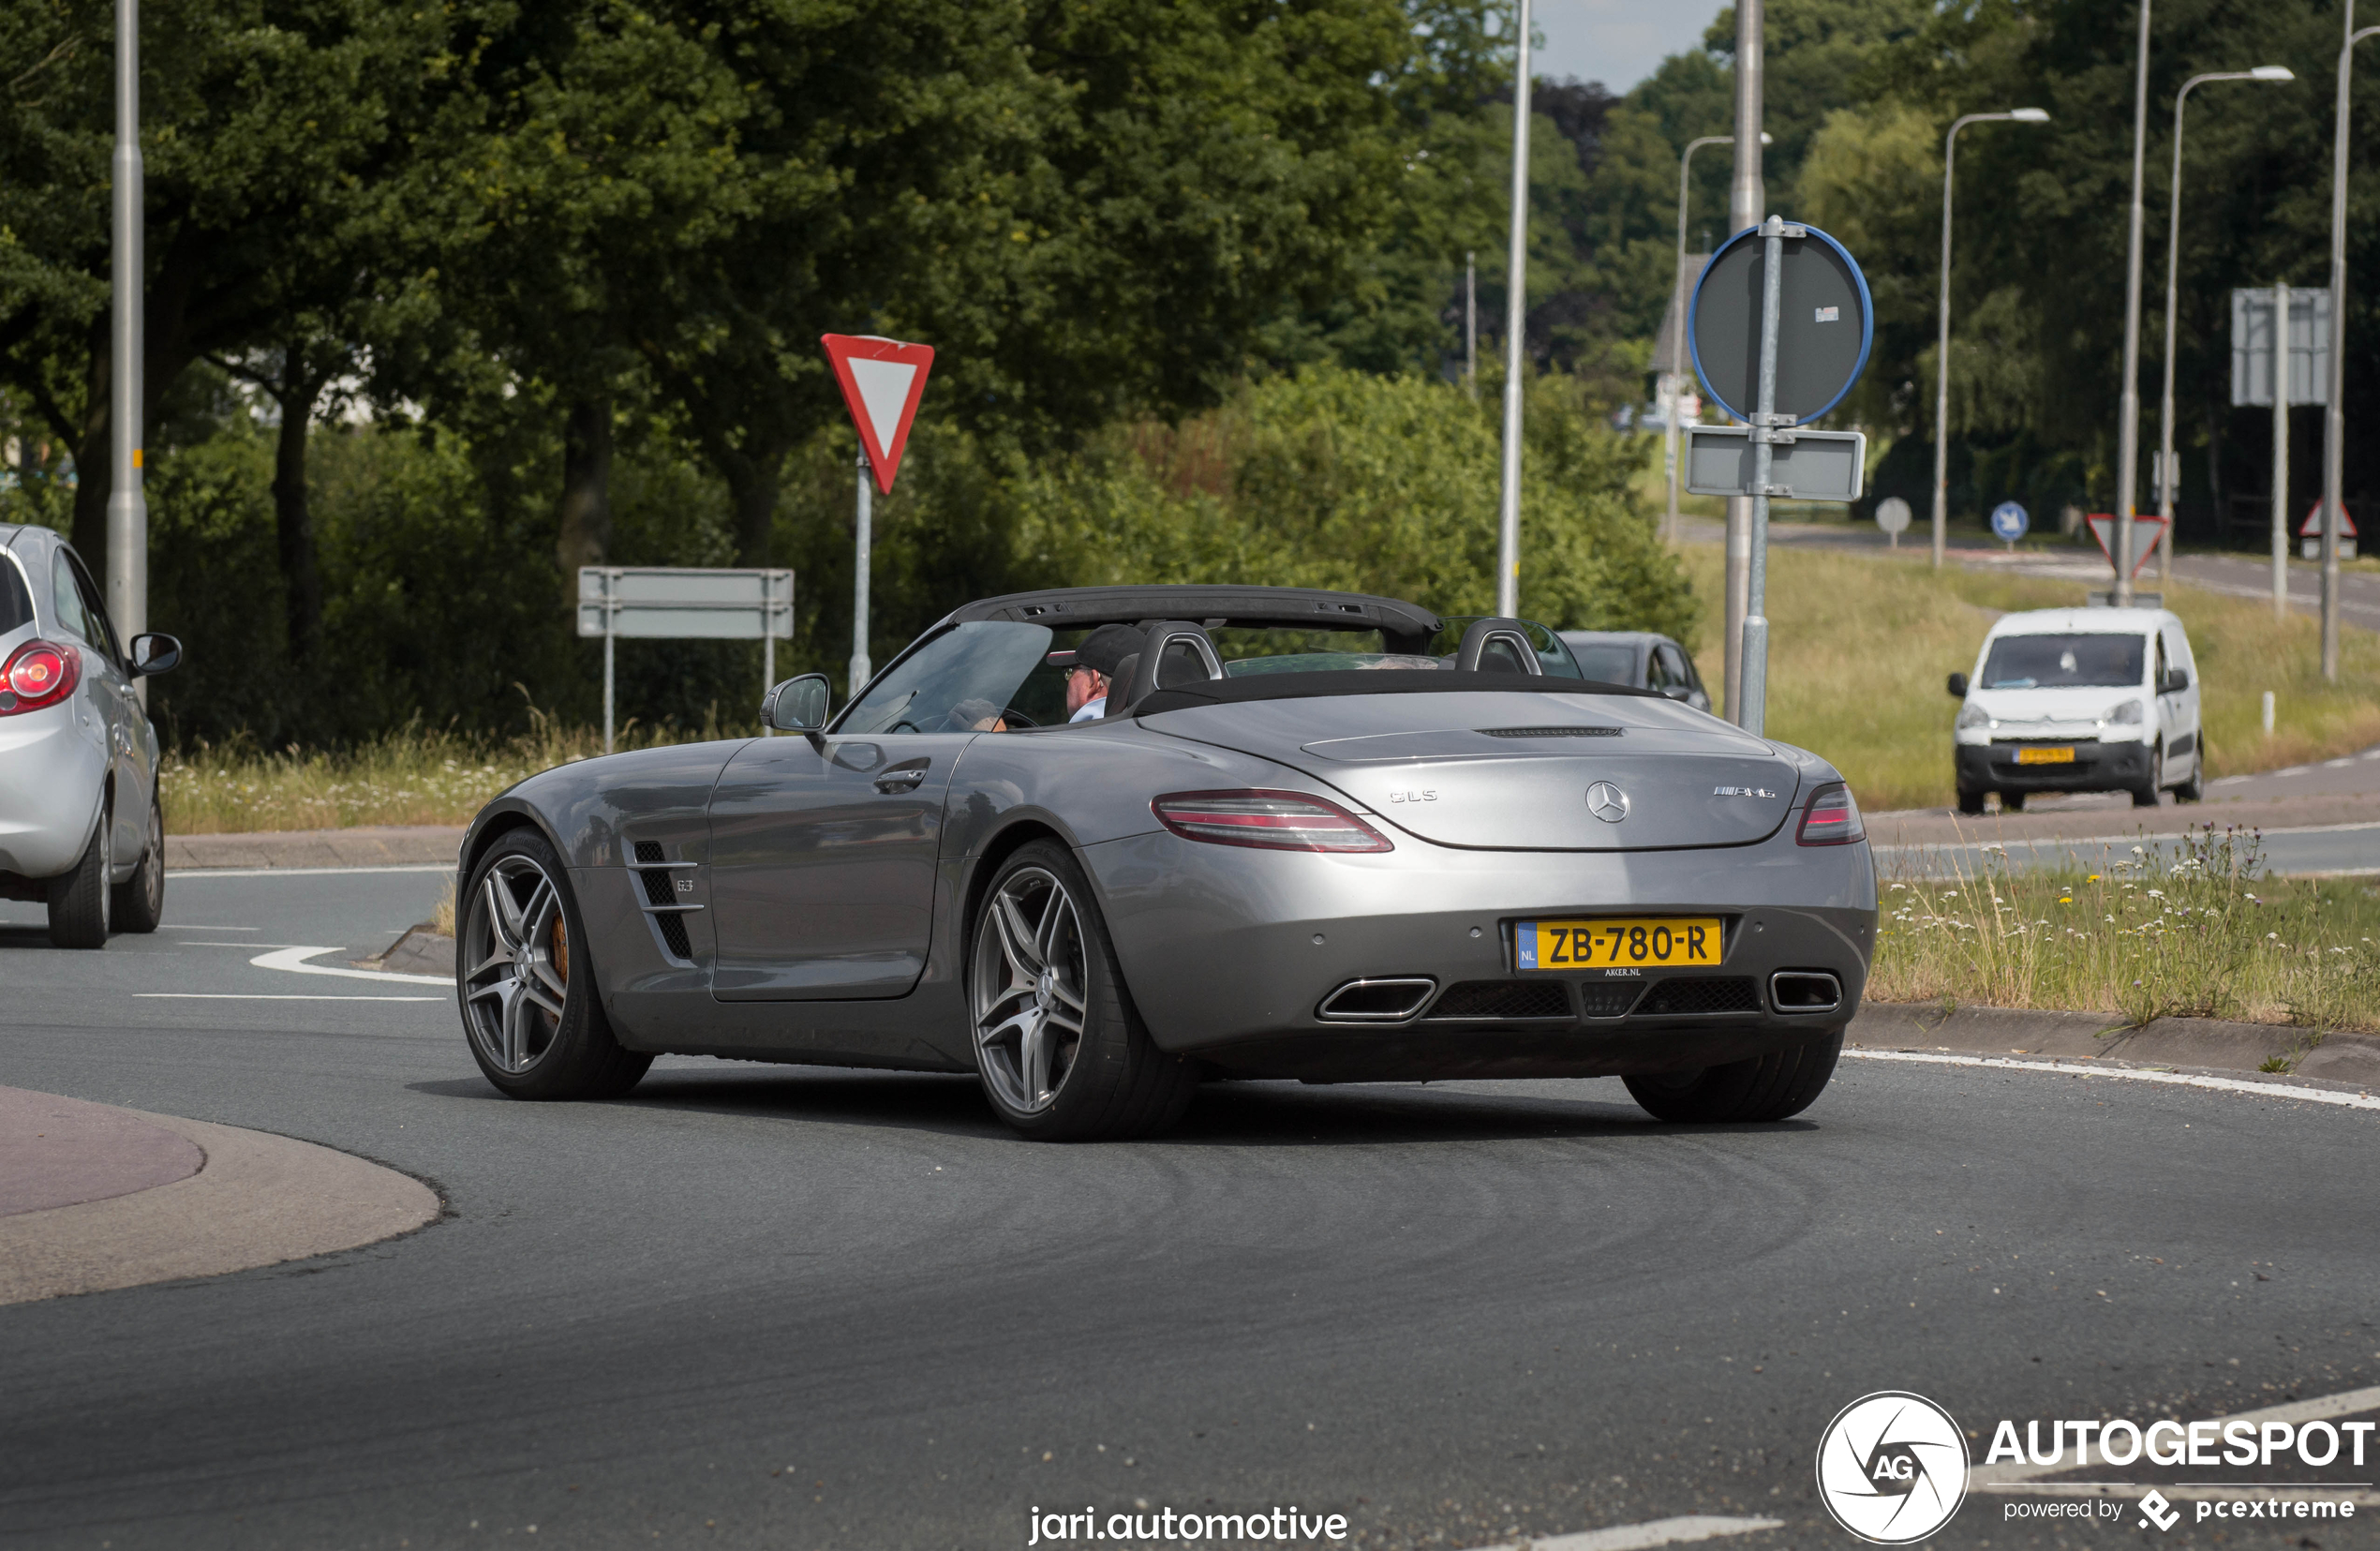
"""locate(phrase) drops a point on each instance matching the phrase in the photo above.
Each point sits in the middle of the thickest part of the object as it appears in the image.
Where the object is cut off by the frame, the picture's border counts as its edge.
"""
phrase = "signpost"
(2257, 376)
(684, 603)
(2009, 522)
(1892, 516)
(882, 382)
(1780, 329)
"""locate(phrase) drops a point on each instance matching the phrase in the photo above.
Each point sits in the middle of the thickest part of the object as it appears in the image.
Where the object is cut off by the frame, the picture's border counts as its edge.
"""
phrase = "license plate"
(1627, 941)
(2045, 757)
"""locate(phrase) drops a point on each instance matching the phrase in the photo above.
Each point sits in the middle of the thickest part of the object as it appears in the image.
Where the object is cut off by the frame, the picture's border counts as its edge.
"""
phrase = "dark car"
(1644, 658)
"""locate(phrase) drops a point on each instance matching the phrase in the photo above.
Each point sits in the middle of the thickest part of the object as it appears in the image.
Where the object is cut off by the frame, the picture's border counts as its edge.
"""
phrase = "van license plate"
(1605, 943)
(2045, 757)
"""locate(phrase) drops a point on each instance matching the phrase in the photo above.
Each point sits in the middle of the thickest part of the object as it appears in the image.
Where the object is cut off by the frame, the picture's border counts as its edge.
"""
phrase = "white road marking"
(294, 959)
(180, 927)
(193, 943)
(2337, 764)
(298, 872)
(255, 996)
(1632, 1537)
(2135, 1074)
(2011, 1476)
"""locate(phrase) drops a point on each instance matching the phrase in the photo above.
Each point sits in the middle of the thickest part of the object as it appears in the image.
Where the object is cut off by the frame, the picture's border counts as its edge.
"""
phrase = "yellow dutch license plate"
(1619, 943)
(2045, 757)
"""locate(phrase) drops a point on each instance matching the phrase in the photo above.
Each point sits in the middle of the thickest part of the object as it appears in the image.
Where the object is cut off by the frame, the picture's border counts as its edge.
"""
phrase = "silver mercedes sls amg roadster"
(1314, 835)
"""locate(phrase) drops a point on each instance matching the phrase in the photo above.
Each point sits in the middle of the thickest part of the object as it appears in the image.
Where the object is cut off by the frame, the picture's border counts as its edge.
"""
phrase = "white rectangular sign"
(682, 603)
(1811, 466)
(2252, 345)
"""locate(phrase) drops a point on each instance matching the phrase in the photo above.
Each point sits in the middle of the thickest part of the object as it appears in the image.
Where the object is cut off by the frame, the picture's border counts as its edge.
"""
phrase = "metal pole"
(1745, 201)
(1678, 299)
(607, 677)
(2334, 415)
(127, 557)
(2281, 451)
(1471, 325)
(1507, 543)
(768, 650)
(860, 672)
(1754, 717)
(2128, 402)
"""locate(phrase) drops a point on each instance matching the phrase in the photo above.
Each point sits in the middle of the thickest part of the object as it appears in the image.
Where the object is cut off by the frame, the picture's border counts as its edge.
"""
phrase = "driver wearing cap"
(1093, 673)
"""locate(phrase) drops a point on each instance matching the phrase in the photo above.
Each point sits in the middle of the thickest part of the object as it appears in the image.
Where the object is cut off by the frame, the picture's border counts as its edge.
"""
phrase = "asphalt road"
(777, 1307)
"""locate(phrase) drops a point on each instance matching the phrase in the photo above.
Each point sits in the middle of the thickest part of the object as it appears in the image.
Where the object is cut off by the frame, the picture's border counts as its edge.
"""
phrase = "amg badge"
(1741, 791)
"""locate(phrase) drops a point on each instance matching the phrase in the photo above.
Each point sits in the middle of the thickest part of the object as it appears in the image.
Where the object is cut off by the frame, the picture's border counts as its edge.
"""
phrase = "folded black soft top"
(1313, 686)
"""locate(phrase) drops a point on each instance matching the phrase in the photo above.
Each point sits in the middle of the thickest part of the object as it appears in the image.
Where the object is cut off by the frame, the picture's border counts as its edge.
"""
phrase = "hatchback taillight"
(1273, 820)
(1832, 818)
(38, 674)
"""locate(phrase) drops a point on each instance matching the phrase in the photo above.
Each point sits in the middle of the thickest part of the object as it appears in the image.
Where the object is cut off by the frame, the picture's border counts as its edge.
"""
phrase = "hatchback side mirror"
(2176, 680)
(1959, 686)
(797, 704)
(155, 653)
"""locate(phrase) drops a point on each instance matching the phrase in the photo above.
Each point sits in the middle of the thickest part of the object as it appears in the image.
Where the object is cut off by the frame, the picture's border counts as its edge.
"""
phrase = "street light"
(2334, 415)
(127, 555)
(1942, 347)
(2128, 401)
(1677, 317)
(2165, 476)
(1508, 535)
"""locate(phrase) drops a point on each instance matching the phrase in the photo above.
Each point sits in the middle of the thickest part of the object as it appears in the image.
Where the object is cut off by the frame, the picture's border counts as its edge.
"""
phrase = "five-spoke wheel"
(1027, 990)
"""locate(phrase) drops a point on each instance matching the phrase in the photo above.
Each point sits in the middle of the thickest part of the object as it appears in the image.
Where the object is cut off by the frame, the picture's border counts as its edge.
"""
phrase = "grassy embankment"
(1859, 648)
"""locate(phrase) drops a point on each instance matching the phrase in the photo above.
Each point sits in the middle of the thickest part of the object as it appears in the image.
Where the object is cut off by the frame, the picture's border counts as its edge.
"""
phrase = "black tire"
(2012, 803)
(530, 1041)
(2194, 789)
(2146, 797)
(78, 901)
(1037, 947)
(1969, 804)
(1764, 1088)
(140, 899)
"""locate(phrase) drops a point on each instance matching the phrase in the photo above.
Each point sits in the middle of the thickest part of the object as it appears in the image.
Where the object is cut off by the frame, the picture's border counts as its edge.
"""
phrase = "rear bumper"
(51, 777)
(2096, 767)
(1230, 952)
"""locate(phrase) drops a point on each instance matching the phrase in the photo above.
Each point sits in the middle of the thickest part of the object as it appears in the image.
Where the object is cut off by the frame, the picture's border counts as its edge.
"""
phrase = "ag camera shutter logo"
(1892, 1468)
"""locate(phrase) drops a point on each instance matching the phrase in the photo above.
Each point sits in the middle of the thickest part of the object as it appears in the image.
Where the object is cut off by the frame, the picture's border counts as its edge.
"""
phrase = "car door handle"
(903, 776)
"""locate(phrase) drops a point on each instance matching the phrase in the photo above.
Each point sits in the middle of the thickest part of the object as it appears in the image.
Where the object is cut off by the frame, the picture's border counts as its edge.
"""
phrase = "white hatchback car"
(2080, 700)
(80, 829)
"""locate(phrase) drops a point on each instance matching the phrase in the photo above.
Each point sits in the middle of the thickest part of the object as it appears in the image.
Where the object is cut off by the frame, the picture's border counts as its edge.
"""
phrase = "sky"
(1617, 42)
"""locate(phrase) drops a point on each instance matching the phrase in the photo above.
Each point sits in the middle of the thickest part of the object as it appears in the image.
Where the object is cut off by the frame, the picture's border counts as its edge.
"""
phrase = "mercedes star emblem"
(1607, 802)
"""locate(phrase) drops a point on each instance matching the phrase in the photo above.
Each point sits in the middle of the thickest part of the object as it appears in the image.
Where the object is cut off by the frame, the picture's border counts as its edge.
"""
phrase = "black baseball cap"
(1104, 649)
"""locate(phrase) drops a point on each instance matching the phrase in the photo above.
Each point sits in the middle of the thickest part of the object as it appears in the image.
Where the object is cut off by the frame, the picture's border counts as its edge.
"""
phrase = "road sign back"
(1824, 324)
(2145, 528)
(882, 382)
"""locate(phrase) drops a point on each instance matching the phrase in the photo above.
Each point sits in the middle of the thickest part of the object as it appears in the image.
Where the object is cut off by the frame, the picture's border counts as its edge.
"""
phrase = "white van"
(2080, 700)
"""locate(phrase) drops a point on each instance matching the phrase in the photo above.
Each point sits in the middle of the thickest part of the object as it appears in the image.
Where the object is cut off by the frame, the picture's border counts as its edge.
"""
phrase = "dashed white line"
(298, 872)
(261, 996)
(1633, 1537)
(2134, 1074)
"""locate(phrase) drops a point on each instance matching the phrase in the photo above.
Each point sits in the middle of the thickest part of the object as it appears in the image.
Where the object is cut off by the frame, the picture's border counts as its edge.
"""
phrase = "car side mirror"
(1959, 686)
(155, 653)
(797, 704)
(2176, 680)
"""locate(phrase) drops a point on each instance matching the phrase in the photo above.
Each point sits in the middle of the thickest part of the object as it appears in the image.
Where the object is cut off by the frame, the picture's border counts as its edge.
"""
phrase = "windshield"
(2065, 662)
(1609, 664)
(968, 678)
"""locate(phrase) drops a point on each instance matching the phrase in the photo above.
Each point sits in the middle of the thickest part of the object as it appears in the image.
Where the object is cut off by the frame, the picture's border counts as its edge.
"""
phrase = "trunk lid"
(1514, 770)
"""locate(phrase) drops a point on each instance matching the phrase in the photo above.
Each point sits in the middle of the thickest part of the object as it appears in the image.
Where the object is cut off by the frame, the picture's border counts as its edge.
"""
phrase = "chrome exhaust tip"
(1385, 1001)
(1798, 990)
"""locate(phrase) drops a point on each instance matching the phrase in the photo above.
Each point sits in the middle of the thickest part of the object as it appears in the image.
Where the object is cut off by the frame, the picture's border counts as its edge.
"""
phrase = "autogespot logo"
(1892, 1468)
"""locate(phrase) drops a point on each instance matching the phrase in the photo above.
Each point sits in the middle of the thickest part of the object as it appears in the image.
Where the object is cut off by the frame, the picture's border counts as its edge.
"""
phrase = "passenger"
(1094, 671)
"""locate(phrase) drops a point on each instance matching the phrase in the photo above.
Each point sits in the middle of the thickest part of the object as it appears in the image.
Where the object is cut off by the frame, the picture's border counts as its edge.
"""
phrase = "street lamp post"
(1507, 541)
(1941, 346)
(1678, 299)
(2128, 401)
(2334, 415)
(127, 558)
(2167, 477)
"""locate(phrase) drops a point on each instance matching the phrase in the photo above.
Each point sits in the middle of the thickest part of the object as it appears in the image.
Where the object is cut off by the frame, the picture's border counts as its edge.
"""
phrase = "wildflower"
(2093, 878)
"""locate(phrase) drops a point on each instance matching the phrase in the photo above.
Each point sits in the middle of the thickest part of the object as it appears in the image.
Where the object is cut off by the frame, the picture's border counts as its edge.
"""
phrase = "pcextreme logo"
(1892, 1468)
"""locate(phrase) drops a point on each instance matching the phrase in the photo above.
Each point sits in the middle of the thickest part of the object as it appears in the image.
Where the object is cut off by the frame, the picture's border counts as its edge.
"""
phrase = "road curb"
(257, 1199)
(383, 845)
(2209, 1044)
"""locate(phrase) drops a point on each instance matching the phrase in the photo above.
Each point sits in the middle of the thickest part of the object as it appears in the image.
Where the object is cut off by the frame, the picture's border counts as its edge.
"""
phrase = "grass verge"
(2190, 933)
(1859, 648)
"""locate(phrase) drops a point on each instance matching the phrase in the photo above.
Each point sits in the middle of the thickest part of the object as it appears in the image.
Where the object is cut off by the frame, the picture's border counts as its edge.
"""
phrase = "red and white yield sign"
(882, 382)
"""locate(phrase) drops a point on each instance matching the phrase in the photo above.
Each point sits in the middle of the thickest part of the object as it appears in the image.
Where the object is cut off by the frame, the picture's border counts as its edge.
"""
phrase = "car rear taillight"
(38, 674)
(1273, 820)
(1832, 818)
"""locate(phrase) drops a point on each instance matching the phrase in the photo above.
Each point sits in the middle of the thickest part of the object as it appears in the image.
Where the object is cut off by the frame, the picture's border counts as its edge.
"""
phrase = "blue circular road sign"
(2009, 521)
(1824, 323)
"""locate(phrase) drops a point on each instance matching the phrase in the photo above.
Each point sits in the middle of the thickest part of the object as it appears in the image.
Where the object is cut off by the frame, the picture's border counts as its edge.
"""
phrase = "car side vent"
(1554, 732)
(1695, 996)
(654, 875)
(648, 852)
(1609, 998)
(1503, 1000)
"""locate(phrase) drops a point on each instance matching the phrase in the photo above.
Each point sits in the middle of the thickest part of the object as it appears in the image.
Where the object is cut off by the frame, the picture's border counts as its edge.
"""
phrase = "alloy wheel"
(519, 954)
(1026, 990)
